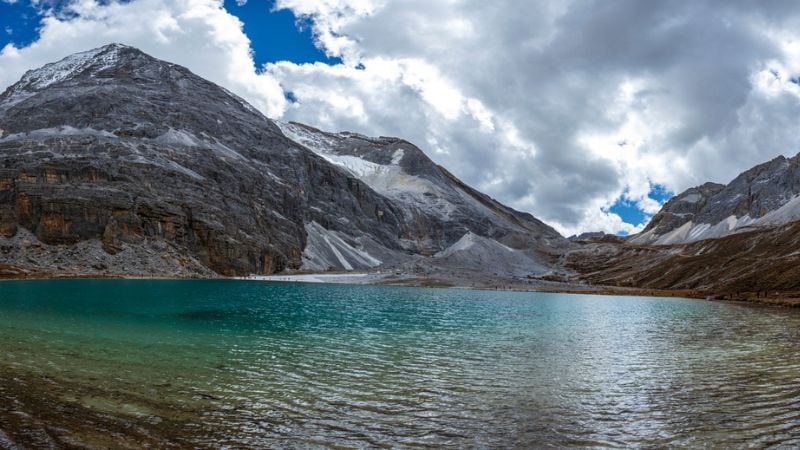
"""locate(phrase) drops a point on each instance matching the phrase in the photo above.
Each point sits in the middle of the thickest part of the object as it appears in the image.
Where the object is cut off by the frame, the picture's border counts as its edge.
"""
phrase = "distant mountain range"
(720, 240)
(115, 163)
(765, 196)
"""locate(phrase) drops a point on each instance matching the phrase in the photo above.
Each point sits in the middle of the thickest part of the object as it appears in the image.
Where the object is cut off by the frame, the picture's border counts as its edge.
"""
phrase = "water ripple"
(215, 364)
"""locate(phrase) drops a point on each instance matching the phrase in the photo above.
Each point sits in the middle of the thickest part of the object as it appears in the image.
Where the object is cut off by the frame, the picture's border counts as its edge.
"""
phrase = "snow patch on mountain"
(389, 180)
(319, 143)
(398, 156)
(98, 59)
(62, 131)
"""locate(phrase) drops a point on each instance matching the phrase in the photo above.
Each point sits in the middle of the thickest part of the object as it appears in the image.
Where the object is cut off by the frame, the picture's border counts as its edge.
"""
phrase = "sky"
(587, 114)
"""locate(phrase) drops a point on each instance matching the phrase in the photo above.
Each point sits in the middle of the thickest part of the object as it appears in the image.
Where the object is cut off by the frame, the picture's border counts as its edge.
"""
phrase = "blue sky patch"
(630, 212)
(660, 193)
(19, 23)
(277, 35)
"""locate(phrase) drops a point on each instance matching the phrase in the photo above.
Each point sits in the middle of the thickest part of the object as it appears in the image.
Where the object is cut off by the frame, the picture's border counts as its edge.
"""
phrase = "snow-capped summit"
(97, 60)
(93, 61)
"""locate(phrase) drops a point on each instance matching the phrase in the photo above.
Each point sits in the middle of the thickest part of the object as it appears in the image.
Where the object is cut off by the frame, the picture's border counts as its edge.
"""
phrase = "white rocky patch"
(98, 59)
(692, 198)
(477, 253)
(398, 156)
(188, 139)
(467, 242)
(326, 249)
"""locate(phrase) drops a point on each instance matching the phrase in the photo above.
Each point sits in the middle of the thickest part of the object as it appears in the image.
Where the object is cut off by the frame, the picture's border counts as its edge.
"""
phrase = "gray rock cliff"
(115, 147)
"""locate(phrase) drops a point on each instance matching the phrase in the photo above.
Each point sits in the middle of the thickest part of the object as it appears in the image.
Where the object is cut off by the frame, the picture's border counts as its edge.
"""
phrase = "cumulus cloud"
(560, 108)
(582, 103)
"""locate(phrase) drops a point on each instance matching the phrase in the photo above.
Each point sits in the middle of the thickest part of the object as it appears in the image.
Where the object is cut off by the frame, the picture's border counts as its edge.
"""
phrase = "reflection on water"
(214, 363)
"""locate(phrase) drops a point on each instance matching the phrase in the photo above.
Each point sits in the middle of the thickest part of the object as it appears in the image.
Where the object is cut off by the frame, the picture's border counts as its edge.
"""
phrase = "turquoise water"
(103, 363)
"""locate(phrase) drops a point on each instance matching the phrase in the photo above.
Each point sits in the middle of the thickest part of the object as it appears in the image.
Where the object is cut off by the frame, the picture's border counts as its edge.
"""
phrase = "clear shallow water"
(214, 363)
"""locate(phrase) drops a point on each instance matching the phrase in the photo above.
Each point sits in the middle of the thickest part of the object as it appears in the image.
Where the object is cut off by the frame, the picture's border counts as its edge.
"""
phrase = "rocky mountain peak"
(765, 195)
(112, 152)
(94, 61)
(123, 91)
(683, 207)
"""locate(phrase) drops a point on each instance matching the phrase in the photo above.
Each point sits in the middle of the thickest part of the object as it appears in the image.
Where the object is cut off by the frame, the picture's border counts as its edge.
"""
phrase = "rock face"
(115, 147)
(764, 196)
(594, 236)
(436, 208)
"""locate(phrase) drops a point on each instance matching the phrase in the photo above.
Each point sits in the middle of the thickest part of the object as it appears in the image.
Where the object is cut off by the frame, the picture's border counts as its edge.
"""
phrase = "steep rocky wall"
(66, 201)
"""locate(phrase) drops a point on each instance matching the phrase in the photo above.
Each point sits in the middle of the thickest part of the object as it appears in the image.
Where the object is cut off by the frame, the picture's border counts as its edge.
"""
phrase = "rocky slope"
(719, 240)
(132, 165)
(750, 262)
(762, 197)
(439, 208)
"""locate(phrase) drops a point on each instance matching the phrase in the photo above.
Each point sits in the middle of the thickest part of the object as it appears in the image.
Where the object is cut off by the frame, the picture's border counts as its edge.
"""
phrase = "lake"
(208, 363)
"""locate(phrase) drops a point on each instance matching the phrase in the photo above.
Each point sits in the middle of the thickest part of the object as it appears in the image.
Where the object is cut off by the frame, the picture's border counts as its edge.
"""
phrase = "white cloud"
(556, 107)
(597, 100)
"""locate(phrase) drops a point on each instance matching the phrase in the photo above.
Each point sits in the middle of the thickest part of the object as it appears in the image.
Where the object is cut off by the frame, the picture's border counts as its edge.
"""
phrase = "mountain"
(114, 162)
(762, 197)
(594, 236)
(439, 208)
(740, 264)
(716, 240)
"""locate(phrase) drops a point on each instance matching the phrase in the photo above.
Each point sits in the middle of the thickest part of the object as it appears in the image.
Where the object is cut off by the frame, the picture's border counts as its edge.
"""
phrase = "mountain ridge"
(734, 241)
(115, 147)
(765, 195)
(115, 163)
